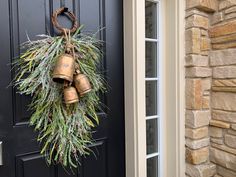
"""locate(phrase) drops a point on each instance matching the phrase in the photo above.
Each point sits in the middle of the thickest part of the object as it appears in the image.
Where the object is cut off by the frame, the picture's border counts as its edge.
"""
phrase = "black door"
(20, 150)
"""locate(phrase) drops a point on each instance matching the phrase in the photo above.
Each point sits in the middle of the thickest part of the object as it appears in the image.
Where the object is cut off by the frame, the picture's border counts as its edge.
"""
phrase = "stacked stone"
(198, 87)
(223, 61)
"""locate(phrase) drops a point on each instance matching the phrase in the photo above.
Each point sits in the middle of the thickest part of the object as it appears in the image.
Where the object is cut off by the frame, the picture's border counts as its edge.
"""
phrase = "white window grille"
(152, 14)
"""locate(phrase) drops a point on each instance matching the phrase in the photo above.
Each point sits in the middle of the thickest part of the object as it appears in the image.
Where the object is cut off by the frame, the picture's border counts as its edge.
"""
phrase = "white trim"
(151, 79)
(151, 40)
(153, 0)
(135, 121)
(149, 156)
(152, 117)
(172, 88)
(162, 93)
(181, 85)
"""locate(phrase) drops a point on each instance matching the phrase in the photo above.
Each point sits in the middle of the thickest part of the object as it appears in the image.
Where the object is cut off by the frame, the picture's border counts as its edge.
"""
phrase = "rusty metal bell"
(64, 69)
(70, 95)
(82, 84)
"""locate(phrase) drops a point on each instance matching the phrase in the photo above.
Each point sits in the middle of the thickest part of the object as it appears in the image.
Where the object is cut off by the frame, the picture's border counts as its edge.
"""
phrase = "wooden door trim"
(173, 88)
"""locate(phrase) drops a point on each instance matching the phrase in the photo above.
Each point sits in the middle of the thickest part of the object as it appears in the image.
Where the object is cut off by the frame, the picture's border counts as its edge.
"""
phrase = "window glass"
(152, 136)
(151, 19)
(152, 167)
(151, 98)
(151, 59)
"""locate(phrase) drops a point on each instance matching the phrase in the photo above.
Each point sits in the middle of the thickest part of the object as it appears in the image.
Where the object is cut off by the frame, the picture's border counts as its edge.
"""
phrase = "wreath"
(61, 74)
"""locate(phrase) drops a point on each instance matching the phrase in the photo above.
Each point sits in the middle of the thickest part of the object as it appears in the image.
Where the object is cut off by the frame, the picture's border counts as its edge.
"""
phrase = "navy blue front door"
(20, 149)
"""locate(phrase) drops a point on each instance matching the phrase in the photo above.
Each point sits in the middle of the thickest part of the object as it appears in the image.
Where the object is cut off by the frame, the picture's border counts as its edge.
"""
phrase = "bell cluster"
(75, 83)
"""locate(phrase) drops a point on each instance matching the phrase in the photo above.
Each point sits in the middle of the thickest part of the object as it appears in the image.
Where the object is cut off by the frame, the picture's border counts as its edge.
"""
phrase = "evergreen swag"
(65, 131)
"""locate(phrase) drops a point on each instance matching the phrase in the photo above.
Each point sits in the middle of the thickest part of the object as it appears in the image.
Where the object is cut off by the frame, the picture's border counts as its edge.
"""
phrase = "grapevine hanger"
(70, 15)
(65, 31)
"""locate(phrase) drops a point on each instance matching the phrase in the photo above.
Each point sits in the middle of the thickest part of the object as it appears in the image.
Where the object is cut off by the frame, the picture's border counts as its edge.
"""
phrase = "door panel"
(25, 21)
(28, 164)
(20, 149)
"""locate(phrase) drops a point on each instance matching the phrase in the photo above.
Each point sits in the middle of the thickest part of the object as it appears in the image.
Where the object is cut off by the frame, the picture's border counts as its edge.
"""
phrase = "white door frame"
(172, 88)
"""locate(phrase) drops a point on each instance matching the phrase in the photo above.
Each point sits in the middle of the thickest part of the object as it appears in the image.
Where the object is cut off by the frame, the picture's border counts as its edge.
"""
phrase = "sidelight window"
(152, 87)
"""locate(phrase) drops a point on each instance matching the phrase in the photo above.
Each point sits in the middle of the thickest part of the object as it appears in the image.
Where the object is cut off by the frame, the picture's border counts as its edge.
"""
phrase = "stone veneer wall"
(210, 88)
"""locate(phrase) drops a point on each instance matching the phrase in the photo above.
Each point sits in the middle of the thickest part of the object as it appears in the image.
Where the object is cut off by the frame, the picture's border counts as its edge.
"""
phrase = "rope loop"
(70, 15)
